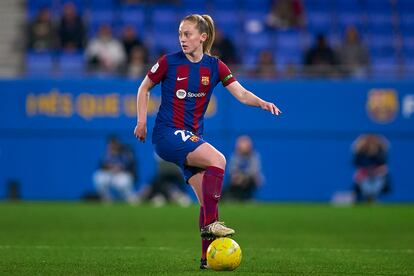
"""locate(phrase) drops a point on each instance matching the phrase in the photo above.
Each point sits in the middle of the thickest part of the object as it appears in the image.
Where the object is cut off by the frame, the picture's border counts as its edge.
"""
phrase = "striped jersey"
(186, 89)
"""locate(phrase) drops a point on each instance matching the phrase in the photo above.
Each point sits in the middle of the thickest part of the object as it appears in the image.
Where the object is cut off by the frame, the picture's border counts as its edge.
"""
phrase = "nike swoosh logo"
(180, 79)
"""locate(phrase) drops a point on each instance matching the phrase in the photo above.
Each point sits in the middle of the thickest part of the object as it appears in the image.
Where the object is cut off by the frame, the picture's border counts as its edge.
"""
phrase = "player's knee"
(220, 161)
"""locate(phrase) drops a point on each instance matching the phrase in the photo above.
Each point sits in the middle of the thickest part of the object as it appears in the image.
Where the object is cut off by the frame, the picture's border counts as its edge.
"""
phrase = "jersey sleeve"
(159, 70)
(225, 75)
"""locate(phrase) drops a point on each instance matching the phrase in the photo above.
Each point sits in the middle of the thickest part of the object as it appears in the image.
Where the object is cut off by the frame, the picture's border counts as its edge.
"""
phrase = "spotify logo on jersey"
(181, 93)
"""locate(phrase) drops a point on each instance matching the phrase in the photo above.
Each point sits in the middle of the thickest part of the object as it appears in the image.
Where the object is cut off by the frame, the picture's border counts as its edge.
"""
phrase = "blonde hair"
(204, 24)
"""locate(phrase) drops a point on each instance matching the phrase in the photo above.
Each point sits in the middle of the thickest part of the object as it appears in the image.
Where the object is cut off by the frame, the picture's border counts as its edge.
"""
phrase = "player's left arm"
(248, 98)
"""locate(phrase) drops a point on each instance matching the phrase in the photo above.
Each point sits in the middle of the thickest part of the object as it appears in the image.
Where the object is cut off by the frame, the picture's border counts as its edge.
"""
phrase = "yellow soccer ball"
(224, 254)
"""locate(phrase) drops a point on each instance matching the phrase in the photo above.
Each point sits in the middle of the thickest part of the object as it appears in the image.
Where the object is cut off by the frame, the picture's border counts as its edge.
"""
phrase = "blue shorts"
(173, 145)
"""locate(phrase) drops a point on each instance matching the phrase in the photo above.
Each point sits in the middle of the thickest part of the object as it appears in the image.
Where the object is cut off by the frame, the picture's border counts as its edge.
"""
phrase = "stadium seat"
(257, 42)
(375, 6)
(407, 23)
(106, 5)
(132, 17)
(380, 45)
(164, 42)
(380, 23)
(405, 6)
(229, 23)
(263, 6)
(348, 6)
(191, 6)
(319, 6)
(165, 20)
(39, 63)
(71, 64)
(350, 19)
(98, 18)
(319, 22)
(384, 67)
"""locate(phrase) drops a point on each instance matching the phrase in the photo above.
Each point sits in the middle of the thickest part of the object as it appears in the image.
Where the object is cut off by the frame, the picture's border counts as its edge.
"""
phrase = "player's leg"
(102, 180)
(213, 162)
(196, 183)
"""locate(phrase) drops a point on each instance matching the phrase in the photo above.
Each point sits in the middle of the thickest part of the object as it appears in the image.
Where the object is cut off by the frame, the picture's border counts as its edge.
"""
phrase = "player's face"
(190, 37)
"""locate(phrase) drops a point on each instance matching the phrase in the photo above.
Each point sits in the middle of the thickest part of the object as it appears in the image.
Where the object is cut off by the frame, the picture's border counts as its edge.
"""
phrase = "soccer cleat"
(203, 264)
(216, 229)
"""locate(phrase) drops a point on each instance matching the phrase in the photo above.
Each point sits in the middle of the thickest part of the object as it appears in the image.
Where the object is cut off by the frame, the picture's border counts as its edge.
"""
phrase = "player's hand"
(271, 107)
(140, 131)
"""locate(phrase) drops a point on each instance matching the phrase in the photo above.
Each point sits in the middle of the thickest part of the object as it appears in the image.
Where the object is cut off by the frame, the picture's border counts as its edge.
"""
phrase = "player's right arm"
(142, 108)
(154, 76)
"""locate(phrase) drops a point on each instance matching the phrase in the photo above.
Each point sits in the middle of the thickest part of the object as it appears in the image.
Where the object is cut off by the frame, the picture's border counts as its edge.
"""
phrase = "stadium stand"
(386, 27)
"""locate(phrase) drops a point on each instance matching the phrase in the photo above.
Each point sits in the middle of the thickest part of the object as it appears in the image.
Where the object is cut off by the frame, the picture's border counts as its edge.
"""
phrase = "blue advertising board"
(53, 133)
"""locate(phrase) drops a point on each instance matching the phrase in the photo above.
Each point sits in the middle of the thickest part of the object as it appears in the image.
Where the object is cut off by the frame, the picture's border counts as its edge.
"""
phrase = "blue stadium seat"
(71, 64)
(380, 23)
(40, 63)
(228, 22)
(350, 19)
(260, 41)
(191, 6)
(106, 5)
(132, 17)
(384, 67)
(33, 7)
(165, 20)
(319, 22)
(262, 6)
(407, 23)
(405, 6)
(348, 6)
(377, 6)
(380, 45)
(224, 4)
(319, 6)
(167, 42)
(289, 40)
(98, 18)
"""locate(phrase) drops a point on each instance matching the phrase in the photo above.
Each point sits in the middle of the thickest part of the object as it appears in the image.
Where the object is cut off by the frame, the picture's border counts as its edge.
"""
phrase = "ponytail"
(204, 24)
(210, 34)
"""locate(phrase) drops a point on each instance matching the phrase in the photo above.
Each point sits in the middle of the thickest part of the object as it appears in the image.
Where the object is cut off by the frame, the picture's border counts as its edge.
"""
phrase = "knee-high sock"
(211, 186)
(204, 243)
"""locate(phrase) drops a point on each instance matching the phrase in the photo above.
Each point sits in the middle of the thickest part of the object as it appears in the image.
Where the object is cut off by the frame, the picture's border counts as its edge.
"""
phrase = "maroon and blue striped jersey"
(186, 89)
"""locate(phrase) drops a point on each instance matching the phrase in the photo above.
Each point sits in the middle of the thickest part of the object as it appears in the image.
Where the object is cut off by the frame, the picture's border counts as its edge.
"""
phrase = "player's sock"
(211, 186)
(204, 243)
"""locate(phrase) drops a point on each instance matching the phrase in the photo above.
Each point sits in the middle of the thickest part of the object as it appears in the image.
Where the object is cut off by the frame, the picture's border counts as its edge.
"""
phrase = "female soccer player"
(188, 78)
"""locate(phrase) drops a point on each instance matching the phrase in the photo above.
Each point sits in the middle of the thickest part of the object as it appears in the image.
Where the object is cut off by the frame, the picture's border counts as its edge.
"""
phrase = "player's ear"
(203, 37)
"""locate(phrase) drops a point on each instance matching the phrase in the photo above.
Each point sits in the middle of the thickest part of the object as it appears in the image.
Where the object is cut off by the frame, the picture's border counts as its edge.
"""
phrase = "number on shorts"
(183, 135)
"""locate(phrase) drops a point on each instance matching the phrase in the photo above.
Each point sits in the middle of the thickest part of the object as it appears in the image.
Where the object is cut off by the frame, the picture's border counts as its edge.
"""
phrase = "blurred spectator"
(117, 171)
(266, 66)
(285, 14)
(130, 40)
(371, 177)
(105, 54)
(137, 66)
(320, 60)
(71, 29)
(245, 171)
(168, 185)
(42, 32)
(353, 55)
(224, 48)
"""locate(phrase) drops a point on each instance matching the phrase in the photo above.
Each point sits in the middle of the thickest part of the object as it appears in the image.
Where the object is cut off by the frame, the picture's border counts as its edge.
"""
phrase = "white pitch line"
(163, 248)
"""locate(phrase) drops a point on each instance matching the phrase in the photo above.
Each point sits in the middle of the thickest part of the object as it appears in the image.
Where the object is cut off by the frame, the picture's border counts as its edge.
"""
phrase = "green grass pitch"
(276, 239)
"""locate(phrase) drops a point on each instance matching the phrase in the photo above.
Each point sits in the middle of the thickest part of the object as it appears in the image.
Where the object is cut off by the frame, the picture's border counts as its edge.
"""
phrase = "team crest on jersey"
(195, 138)
(205, 80)
(382, 105)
